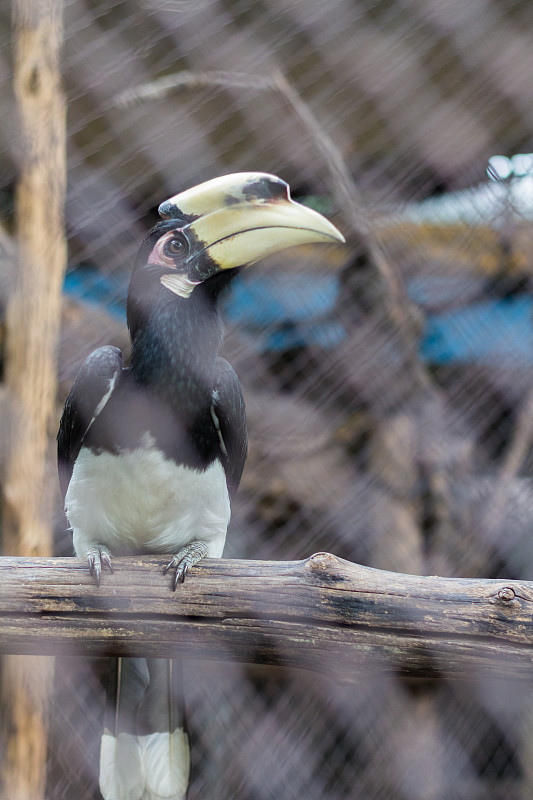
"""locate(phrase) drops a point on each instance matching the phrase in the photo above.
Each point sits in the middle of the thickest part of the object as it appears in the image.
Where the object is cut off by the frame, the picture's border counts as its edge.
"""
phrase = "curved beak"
(238, 219)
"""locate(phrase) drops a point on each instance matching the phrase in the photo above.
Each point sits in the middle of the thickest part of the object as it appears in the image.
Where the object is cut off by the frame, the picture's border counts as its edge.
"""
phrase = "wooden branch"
(322, 614)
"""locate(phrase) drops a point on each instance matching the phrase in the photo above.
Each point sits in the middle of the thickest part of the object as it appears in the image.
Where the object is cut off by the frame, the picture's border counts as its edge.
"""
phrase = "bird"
(151, 453)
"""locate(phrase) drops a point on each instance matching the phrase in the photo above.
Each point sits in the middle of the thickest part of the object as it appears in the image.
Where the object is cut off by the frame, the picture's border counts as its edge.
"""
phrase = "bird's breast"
(140, 500)
(150, 418)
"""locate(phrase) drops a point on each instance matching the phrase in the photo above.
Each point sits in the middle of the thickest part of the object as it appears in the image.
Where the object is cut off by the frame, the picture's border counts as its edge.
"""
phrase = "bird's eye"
(175, 246)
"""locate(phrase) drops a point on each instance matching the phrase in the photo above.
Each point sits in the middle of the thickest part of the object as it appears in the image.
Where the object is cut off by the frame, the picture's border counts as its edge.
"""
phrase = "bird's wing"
(229, 416)
(91, 391)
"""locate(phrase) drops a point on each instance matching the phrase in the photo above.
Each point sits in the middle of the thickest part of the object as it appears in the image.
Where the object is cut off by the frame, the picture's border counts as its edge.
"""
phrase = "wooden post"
(32, 327)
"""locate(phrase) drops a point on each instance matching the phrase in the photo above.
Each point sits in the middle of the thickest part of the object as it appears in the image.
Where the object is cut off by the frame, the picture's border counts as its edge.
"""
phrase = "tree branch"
(323, 614)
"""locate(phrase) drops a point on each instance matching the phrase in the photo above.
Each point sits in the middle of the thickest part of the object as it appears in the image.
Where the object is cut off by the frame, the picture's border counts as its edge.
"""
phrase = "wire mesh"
(388, 383)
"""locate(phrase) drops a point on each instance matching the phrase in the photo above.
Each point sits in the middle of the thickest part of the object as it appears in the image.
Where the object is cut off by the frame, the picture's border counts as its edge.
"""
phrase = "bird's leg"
(98, 557)
(185, 558)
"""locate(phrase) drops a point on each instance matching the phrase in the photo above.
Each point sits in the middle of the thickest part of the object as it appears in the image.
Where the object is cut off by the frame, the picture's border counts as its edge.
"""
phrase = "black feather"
(90, 387)
(228, 404)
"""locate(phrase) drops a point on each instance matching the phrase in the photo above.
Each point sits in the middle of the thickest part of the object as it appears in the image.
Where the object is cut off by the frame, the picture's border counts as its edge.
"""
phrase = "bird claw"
(98, 557)
(186, 558)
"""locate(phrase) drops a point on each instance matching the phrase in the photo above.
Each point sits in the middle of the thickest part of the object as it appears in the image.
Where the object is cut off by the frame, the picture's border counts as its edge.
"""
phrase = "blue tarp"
(285, 311)
(495, 332)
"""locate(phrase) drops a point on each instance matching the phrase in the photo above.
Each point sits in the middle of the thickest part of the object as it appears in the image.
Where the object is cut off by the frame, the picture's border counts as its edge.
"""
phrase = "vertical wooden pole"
(34, 309)
(32, 328)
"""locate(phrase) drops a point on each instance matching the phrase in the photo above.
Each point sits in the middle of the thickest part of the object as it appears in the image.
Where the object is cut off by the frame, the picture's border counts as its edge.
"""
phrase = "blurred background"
(389, 383)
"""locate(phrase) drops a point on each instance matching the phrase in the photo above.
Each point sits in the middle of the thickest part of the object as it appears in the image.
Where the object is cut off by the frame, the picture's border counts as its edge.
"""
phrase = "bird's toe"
(185, 558)
(98, 557)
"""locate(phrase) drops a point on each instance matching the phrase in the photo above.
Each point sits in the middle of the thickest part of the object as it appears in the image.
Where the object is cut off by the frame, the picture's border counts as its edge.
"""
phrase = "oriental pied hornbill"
(150, 454)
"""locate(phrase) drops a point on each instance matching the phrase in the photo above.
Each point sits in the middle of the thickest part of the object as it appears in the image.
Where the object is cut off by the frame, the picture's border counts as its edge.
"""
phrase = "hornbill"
(150, 454)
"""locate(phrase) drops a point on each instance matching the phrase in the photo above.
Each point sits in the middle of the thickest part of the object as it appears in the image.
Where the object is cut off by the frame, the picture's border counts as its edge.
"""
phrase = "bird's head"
(224, 224)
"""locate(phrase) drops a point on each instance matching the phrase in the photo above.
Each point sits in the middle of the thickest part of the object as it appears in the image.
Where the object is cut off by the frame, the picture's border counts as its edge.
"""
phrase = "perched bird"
(151, 454)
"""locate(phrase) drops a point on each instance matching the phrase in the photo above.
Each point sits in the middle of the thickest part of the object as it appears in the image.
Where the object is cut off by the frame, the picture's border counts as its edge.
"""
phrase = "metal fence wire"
(389, 383)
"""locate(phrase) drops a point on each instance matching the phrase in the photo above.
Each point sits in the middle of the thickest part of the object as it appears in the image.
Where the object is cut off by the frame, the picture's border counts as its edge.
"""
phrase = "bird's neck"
(175, 346)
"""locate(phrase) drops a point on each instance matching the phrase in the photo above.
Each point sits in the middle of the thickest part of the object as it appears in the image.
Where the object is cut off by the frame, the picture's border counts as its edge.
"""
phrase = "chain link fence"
(389, 383)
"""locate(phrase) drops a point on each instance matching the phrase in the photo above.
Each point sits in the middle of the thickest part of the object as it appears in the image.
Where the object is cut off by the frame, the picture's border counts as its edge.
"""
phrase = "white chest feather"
(140, 501)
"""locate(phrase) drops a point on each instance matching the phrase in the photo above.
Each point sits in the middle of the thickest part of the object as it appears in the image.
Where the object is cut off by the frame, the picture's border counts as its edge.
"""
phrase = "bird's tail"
(144, 752)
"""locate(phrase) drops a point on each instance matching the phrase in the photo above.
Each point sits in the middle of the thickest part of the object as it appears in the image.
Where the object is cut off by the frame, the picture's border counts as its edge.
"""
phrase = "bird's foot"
(187, 557)
(98, 557)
